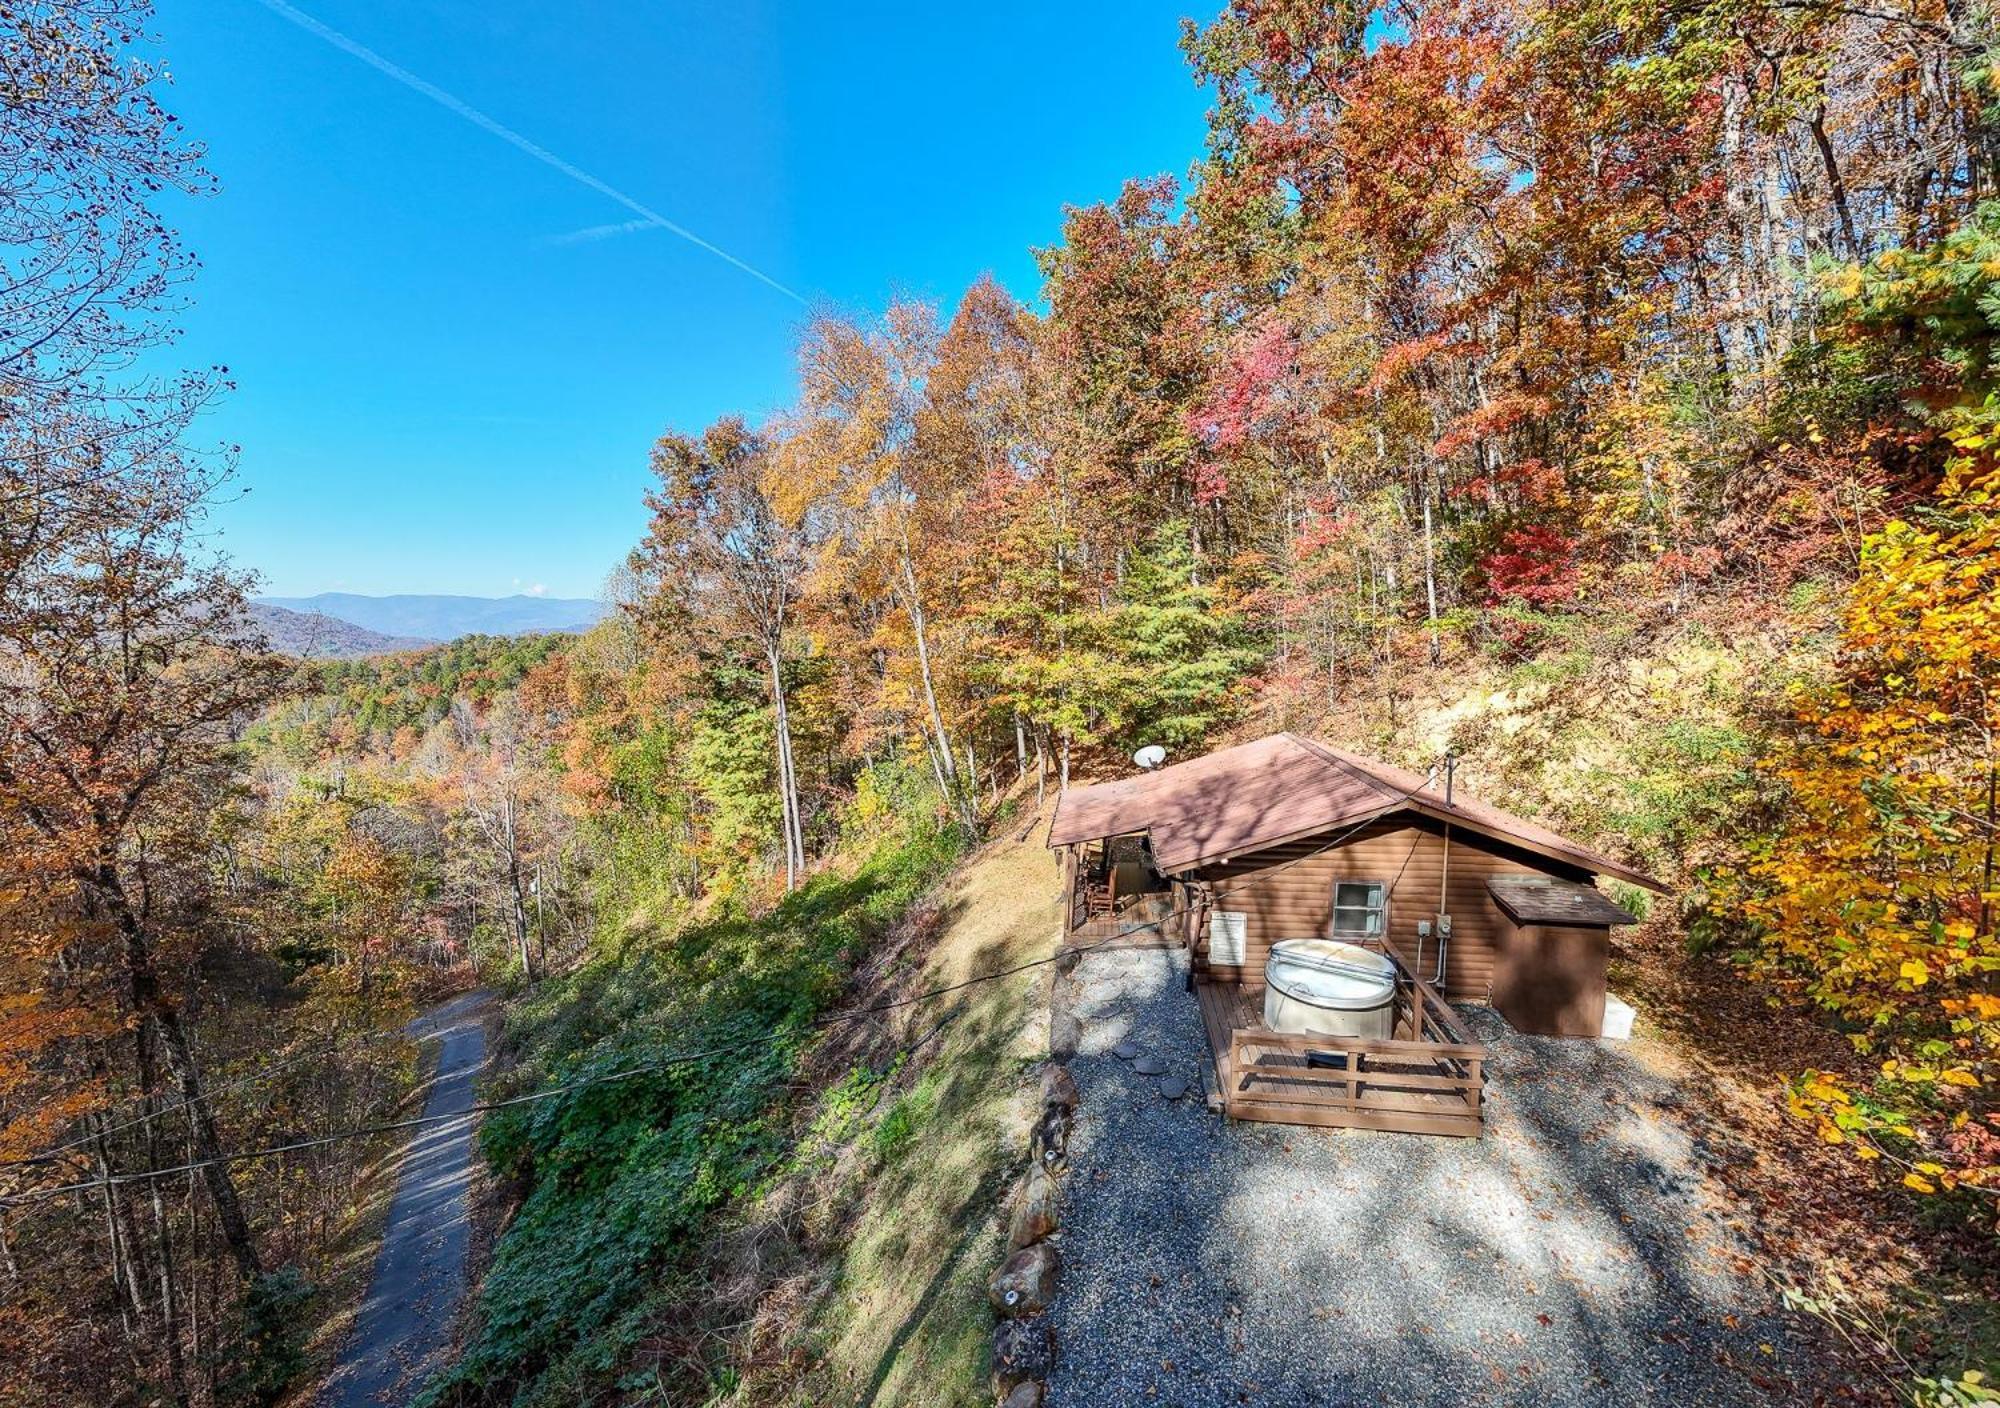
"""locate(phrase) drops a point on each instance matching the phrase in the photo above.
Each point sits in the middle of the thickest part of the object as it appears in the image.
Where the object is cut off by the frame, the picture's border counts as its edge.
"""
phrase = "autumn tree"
(900, 422)
(128, 669)
(89, 274)
(1877, 894)
(490, 772)
(721, 556)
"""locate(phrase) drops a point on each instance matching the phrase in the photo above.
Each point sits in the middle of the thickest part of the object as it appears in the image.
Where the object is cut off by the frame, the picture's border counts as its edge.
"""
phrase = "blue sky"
(441, 387)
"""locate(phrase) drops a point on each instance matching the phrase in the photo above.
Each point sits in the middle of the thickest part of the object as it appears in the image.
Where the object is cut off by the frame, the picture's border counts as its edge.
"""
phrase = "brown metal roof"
(1247, 798)
(1543, 899)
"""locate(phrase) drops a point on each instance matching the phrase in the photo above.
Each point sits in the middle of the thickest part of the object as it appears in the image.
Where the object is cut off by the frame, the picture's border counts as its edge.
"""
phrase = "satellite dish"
(1150, 757)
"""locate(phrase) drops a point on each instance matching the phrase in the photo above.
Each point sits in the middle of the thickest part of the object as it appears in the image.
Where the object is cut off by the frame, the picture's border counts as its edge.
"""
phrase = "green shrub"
(903, 1121)
(622, 1174)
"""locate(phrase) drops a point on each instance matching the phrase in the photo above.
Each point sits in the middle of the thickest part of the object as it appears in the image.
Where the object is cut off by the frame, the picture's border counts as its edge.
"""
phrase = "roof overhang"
(1281, 790)
(1578, 857)
(1543, 899)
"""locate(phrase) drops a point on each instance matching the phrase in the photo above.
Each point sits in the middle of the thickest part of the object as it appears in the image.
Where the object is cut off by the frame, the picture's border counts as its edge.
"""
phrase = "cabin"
(1334, 907)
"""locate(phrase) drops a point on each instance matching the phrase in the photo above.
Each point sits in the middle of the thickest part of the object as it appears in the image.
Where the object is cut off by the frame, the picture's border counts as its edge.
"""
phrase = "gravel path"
(404, 1326)
(1576, 1255)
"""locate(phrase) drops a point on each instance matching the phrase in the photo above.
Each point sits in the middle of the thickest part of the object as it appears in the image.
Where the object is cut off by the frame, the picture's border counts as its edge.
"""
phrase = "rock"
(1065, 1035)
(1050, 1144)
(1059, 1087)
(1150, 1066)
(1025, 1282)
(1027, 1394)
(1036, 1212)
(1172, 1087)
(1067, 960)
(1021, 1352)
(1124, 1051)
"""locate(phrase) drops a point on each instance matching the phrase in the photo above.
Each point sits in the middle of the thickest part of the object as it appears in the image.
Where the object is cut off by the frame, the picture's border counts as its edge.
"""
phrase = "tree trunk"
(1835, 185)
(170, 1330)
(788, 790)
(937, 771)
(124, 1241)
(150, 1002)
(170, 1336)
(965, 806)
(1736, 200)
(510, 834)
(1430, 575)
(1986, 882)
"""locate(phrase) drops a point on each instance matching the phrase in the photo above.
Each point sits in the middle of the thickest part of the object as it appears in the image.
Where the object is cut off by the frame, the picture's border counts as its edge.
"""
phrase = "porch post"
(1069, 895)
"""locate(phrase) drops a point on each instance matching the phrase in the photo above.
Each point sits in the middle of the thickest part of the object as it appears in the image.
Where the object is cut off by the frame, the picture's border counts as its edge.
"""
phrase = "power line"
(335, 1046)
(677, 1059)
(330, 1046)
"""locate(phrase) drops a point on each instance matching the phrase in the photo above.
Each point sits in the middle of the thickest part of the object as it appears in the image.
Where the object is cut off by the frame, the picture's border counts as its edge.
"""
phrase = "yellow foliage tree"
(1878, 895)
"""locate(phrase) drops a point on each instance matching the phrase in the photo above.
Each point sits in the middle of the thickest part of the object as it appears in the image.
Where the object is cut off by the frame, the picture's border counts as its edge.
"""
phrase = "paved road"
(404, 1326)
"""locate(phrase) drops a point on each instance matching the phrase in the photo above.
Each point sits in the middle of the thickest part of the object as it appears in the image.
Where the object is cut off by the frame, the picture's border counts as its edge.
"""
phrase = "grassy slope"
(902, 1252)
(812, 1223)
(1636, 742)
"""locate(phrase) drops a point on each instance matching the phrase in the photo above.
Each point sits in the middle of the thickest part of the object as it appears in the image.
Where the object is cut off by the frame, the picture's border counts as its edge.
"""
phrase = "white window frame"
(1376, 910)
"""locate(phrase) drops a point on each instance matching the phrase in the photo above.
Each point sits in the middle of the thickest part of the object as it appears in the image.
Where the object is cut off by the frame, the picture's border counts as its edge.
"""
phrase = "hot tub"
(1321, 987)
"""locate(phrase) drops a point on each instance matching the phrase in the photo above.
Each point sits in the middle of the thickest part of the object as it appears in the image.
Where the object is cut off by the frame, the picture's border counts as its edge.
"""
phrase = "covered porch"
(1114, 894)
(1427, 1078)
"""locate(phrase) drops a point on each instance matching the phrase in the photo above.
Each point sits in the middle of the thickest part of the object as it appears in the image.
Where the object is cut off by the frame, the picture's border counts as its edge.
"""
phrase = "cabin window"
(1358, 906)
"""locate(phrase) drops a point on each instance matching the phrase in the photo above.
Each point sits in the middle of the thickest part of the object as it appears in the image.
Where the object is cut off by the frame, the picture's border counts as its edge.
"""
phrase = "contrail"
(591, 233)
(512, 138)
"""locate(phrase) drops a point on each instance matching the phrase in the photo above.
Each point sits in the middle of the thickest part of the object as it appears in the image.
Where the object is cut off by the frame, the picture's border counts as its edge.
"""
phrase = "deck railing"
(1428, 1079)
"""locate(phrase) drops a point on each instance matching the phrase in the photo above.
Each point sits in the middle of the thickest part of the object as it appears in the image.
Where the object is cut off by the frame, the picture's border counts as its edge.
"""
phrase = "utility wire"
(679, 1058)
(329, 1046)
(336, 1045)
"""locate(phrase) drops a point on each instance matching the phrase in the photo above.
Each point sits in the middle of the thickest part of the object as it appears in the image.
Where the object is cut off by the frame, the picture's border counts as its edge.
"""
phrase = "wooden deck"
(1144, 921)
(1429, 1079)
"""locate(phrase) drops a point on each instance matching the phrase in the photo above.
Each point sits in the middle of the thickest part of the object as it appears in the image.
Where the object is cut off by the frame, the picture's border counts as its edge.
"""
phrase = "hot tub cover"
(1330, 974)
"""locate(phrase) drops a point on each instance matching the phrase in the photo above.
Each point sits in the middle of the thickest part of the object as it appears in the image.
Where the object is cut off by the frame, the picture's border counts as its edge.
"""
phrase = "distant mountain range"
(425, 619)
(312, 635)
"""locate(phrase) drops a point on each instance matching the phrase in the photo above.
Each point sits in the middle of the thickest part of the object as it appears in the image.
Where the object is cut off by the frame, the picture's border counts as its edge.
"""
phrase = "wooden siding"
(1550, 979)
(1404, 854)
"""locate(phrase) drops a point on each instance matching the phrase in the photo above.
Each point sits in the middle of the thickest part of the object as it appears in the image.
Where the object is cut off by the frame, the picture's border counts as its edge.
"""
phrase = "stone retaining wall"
(1022, 1287)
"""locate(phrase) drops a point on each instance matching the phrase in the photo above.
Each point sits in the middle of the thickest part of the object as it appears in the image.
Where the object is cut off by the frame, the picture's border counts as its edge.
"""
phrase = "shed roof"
(1543, 899)
(1239, 800)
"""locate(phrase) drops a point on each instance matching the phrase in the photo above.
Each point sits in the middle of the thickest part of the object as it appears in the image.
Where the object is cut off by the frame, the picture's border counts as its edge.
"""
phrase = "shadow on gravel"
(1577, 1255)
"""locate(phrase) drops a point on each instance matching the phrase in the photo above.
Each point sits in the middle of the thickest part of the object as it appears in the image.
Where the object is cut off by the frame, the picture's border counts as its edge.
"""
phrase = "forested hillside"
(1603, 394)
(316, 637)
(1599, 395)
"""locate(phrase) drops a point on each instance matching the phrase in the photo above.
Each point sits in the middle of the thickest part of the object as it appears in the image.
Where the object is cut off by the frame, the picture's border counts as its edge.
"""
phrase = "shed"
(1289, 837)
(1553, 947)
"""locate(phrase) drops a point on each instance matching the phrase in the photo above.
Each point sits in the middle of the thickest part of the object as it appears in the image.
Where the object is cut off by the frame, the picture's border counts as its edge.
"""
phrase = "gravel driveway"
(1578, 1254)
